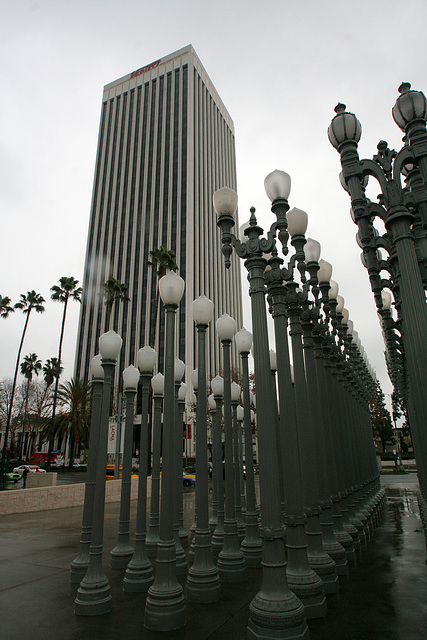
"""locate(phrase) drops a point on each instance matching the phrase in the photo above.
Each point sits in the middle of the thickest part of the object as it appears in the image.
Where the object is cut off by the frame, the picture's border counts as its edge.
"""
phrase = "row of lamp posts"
(397, 259)
(316, 511)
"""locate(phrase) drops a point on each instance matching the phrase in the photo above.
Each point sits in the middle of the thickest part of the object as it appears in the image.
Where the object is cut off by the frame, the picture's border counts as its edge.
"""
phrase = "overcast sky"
(280, 67)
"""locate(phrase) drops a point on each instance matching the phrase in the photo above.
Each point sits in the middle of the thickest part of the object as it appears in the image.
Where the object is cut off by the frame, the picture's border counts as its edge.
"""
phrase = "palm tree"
(27, 303)
(113, 291)
(164, 259)
(29, 366)
(65, 291)
(5, 308)
(74, 398)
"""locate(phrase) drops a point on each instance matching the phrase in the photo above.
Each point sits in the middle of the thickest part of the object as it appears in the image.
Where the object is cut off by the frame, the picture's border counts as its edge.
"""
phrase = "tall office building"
(166, 144)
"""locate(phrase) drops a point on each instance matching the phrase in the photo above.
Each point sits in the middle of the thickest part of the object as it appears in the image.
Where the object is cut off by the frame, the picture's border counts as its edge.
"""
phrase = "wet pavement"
(384, 599)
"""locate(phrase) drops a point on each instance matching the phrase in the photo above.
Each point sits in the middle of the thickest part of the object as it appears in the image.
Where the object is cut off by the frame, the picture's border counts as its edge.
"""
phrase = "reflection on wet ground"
(385, 597)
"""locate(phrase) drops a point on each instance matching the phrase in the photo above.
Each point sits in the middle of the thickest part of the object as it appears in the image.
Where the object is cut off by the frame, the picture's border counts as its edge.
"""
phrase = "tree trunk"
(9, 414)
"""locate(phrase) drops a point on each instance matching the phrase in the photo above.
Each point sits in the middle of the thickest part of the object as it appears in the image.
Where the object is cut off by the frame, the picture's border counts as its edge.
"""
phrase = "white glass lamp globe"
(312, 250)
(217, 386)
(277, 185)
(158, 384)
(345, 316)
(179, 369)
(226, 327)
(96, 367)
(240, 413)
(146, 359)
(171, 288)
(202, 309)
(235, 392)
(386, 298)
(225, 201)
(182, 391)
(243, 340)
(297, 221)
(194, 377)
(130, 377)
(325, 271)
(333, 291)
(211, 402)
(110, 344)
(340, 305)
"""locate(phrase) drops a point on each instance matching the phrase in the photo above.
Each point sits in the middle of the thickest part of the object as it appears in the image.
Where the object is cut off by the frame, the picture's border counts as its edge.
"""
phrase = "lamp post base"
(231, 561)
(78, 568)
(308, 587)
(165, 605)
(277, 620)
(120, 556)
(93, 600)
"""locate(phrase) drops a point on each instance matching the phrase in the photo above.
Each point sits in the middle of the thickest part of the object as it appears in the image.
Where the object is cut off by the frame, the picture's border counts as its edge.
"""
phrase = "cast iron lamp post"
(165, 607)
(231, 561)
(395, 210)
(235, 397)
(157, 385)
(139, 572)
(213, 520)
(180, 534)
(251, 545)
(275, 612)
(80, 564)
(203, 580)
(94, 594)
(123, 551)
(302, 578)
(217, 386)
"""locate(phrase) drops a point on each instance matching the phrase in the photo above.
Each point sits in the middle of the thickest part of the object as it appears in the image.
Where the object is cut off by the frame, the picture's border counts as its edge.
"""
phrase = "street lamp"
(80, 564)
(251, 545)
(165, 607)
(157, 385)
(235, 397)
(139, 572)
(231, 561)
(180, 534)
(94, 593)
(275, 606)
(203, 580)
(405, 238)
(123, 551)
(217, 386)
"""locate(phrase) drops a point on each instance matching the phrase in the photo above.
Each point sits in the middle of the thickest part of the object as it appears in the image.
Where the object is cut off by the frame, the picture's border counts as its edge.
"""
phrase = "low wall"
(59, 497)
(41, 480)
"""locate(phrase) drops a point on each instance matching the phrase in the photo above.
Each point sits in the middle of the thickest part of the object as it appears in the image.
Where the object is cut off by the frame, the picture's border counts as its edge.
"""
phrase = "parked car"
(188, 479)
(32, 468)
(12, 476)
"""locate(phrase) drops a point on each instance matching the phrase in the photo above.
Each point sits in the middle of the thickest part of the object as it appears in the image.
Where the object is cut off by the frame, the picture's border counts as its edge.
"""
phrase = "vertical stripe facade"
(166, 143)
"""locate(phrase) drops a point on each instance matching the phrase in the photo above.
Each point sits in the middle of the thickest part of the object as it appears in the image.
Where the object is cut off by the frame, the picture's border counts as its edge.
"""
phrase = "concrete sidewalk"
(385, 598)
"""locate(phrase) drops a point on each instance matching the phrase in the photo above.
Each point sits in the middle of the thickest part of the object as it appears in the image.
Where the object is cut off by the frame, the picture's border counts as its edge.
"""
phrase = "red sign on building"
(148, 67)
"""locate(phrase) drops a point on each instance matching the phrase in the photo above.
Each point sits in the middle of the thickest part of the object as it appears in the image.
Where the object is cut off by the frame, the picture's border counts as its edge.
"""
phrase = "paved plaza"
(385, 597)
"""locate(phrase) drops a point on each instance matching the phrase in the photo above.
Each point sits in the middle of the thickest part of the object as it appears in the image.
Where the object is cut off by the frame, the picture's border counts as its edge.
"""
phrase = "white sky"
(280, 67)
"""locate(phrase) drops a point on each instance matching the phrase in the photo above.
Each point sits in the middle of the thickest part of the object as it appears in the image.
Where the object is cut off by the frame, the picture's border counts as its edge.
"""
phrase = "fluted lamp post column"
(80, 564)
(123, 551)
(94, 594)
(165, 606)
(235, 397)
(157, 385)
(231, 561)
(275, 612)
(203, 580)
(139, 572)
(217, 386)
(180, 534)
(251, 545)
